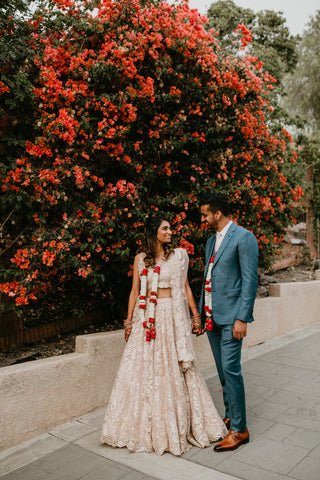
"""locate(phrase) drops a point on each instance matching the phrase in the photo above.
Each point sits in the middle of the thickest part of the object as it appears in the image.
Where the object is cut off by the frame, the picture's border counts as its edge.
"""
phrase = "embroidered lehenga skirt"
(155, 406)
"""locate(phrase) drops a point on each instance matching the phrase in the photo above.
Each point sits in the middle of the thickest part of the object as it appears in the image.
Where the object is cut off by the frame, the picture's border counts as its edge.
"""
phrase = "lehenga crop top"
(165, 273)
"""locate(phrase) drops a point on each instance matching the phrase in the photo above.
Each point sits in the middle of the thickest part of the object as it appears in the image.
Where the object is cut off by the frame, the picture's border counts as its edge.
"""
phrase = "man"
(231, 278)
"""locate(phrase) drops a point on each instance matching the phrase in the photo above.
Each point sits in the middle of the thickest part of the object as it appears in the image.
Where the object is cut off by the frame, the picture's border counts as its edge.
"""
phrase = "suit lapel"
(210, 251)
(225, 242)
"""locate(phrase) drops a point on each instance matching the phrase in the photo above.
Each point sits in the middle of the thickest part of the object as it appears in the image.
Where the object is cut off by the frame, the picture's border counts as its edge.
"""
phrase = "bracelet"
(196, 324)
(127, 323)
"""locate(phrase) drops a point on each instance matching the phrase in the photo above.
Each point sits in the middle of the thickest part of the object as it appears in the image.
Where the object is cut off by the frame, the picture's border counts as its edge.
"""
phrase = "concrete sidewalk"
(282, 379)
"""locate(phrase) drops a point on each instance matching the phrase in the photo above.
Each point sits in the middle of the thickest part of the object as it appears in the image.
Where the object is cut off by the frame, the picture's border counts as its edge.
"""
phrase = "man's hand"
(239, 329)
(197, 329)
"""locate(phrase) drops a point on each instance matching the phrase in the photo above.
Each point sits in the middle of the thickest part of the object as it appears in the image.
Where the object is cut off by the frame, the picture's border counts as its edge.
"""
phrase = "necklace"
(149, 324)
(208, 297)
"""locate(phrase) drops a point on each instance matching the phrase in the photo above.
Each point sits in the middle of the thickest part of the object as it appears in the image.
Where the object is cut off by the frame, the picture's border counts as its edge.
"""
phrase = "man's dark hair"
(216, 201)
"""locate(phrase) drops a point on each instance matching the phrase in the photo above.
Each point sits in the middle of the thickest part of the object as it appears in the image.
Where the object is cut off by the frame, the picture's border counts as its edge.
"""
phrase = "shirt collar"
(222, 233)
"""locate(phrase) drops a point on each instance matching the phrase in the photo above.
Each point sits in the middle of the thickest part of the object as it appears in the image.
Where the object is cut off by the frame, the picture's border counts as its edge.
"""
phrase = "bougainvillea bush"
(136, 112)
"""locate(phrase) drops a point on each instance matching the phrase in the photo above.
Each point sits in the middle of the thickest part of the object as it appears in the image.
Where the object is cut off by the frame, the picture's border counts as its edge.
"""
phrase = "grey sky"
(296, 12)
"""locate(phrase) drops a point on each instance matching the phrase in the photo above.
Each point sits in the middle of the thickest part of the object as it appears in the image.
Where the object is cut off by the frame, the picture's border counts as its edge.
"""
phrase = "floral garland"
(149, 324)
(208, 297)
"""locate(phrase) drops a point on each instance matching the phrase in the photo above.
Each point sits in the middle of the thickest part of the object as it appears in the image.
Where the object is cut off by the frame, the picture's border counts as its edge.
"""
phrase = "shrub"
(135, 112)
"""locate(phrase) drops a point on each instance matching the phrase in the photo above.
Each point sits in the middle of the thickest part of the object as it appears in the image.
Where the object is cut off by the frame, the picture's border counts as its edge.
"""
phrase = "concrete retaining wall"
(39, 395)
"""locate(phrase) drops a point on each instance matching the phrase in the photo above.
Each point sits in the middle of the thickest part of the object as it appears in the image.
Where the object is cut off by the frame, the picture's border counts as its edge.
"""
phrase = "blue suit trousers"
(227, 354)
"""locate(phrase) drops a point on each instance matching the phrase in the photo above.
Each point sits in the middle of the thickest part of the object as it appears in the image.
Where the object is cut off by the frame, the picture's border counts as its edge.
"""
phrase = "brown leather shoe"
(232, 441)
(227, 422)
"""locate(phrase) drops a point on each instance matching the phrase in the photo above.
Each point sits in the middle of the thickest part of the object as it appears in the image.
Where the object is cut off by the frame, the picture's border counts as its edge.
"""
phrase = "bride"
(159, 401)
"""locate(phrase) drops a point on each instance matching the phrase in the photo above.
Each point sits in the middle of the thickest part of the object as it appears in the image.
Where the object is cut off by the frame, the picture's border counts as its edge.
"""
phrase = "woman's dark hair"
(149, 244)
(216, 201)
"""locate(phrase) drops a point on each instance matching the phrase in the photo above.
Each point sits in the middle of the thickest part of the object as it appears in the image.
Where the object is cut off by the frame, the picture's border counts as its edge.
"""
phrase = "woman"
(159, 402)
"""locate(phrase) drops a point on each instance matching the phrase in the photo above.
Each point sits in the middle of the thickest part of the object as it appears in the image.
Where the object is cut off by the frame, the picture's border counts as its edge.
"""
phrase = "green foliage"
(17, 74)
(303, 100)
(309, 153)
(271, 40)
(302, 86)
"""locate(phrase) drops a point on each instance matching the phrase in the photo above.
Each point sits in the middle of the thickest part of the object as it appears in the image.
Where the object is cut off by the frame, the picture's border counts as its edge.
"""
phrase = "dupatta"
(181, 314)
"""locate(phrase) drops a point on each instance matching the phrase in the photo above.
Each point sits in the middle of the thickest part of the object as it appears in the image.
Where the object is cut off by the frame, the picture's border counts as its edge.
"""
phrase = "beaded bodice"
(166, 271)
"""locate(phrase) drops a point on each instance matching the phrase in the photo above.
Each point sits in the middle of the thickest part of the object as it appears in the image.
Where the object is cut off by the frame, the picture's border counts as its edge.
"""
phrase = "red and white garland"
(208, 297)
(149, 324)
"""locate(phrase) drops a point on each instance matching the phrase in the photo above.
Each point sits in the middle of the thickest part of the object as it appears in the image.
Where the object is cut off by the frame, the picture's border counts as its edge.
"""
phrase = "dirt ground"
(66, 343)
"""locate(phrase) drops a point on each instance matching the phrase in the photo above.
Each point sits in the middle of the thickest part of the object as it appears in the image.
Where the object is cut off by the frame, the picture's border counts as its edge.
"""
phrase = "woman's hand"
(127, 332)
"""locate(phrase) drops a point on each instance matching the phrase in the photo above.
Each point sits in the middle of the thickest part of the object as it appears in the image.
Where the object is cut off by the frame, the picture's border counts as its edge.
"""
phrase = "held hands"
(196, 326)
(239, 329)
(197, 329)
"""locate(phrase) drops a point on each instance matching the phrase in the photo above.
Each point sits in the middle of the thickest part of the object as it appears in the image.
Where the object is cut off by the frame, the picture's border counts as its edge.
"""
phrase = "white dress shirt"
(220, 236)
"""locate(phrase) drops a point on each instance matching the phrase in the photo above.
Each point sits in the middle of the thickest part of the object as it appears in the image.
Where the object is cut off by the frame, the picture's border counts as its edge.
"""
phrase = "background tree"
(302, 98)
(134, 112)
(302, 85)
(271, 40)
(224, 17)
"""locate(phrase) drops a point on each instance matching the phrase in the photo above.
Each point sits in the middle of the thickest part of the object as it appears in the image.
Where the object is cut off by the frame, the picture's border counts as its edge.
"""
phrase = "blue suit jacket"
(234, 276)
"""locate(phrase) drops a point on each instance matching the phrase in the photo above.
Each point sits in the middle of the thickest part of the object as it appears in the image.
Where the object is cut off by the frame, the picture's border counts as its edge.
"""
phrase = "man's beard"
(213, 227)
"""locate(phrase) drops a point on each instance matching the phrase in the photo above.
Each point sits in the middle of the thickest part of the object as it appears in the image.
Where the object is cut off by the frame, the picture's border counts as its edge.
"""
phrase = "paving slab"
(309, 469)
(280, 432)
(269, 410)
(247, 471)
(300, 421)
(254, 399)
(257, 426)
(271, 455)
(72, 431)
(69, 463)
(27, 452)
(295, 398)
(162, 467)
(209, 458)
(304, 438)
(315, 452)
(265, 368)
(109, 471)
(95, 419)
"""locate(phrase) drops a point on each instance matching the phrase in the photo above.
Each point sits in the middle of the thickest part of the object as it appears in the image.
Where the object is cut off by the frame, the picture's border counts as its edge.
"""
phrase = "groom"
(232, 260)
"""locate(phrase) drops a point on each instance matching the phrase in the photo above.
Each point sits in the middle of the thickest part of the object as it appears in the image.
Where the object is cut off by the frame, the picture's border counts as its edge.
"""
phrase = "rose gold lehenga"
(160, 402)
